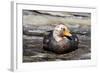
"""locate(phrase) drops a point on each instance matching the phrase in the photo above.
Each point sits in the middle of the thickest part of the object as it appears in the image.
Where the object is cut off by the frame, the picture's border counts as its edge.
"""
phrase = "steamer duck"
(60, 40)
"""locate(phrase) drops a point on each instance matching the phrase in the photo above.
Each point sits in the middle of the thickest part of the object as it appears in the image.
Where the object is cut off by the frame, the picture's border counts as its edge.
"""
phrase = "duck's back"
(47, 39)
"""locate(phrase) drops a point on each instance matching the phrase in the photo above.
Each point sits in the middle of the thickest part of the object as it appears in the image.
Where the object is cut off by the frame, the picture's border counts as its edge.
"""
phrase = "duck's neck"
(56, 36)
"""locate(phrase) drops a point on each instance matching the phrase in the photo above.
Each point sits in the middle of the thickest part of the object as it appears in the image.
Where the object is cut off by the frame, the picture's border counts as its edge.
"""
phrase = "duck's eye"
(63, 29)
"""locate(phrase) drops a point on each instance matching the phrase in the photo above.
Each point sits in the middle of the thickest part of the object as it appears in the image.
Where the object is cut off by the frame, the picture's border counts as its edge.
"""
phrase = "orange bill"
(67, 33)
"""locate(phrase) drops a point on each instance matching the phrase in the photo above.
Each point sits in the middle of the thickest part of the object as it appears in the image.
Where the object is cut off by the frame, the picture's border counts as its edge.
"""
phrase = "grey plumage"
(68, 44)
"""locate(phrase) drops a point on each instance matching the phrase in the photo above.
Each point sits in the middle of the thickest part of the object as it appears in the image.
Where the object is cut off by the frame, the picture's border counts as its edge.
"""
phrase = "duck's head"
(61, 31)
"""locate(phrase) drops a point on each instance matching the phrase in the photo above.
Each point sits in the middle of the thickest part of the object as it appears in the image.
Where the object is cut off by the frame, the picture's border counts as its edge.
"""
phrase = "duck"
(60, 40)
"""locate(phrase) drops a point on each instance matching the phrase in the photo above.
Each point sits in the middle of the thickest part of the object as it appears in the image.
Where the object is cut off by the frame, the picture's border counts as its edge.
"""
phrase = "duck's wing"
(73, 38)
(74, 41)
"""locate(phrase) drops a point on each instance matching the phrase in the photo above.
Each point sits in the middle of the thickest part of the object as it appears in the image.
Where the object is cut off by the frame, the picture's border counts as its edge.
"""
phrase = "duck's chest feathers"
(64, 43)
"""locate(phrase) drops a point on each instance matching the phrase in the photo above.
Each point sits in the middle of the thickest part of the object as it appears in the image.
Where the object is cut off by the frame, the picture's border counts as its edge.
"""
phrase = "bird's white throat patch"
(56, 35)
(57, 38)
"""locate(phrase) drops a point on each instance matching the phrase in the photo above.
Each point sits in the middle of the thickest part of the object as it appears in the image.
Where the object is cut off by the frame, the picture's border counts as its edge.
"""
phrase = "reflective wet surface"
(35, 24)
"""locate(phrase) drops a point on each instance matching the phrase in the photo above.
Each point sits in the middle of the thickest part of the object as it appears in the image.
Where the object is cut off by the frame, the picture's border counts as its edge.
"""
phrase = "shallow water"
(34, 27)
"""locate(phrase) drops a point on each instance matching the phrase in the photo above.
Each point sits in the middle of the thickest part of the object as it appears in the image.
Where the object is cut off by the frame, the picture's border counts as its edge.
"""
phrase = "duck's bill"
(67, 33)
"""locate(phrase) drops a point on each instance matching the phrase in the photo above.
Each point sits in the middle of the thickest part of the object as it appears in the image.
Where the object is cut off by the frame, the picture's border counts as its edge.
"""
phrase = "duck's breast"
(59, 47)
